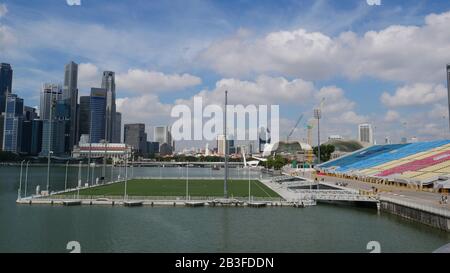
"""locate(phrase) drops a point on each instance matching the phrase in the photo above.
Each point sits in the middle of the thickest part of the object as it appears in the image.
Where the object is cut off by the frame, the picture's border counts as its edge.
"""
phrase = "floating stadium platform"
(423, 164)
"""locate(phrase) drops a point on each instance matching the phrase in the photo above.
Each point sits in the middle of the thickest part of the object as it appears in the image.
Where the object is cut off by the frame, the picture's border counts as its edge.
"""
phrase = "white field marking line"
(268, 195)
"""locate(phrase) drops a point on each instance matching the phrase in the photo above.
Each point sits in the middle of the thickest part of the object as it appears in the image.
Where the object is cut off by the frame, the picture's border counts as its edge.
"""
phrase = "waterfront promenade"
(424, 198)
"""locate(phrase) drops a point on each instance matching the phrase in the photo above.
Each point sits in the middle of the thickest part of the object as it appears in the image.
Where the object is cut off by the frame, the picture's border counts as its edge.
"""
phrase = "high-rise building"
(448, 88)
(6, 75)
(135, 136)
(221, 145)
(55, 132)
(84, 116)
(162, 135)
(50, 93)
(117, 136)
(109, 84)
(97, 122)
(2, 123)
(63, 127)
(36, 137)
(27, 132)
(70, 94)
(152, 148)
(12, 133)
(365, 133)
(29, 113)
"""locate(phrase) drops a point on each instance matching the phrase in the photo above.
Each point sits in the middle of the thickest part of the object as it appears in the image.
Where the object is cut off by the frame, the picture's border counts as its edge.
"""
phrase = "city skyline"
(399, 95)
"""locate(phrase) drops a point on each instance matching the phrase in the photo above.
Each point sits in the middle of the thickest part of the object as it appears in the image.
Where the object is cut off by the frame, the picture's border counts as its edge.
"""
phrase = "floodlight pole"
(20, 181)
(225, 190)
(249, 185)
(318, 116)
(26, 178)
(126, 177)
(79, 179)
(65, 179)
(187, 181)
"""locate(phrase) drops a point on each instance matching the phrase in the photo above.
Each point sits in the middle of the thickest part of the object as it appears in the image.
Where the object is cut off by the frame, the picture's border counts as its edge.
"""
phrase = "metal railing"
(155, 198)
(438, 211)
(335, 195)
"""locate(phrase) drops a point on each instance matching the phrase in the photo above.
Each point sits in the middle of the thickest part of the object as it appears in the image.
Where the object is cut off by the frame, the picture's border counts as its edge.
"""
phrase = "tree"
(9, 157)
(325, 152)
(276, 162)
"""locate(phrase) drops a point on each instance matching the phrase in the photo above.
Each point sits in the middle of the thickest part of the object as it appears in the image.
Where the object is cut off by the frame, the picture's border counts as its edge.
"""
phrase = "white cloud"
(335, 100)
(137, 80)
(3, 10)
(391, 116)
(400, 53)
(88, 75)
(438, 111)
(144, 81)
(145, 109)
(73, 2)
(416, 94)
(336, 107)
(264, 90)
(7, 38)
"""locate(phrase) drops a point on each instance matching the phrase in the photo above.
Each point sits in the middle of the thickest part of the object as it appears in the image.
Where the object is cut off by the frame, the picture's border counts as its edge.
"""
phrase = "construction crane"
(295, 127)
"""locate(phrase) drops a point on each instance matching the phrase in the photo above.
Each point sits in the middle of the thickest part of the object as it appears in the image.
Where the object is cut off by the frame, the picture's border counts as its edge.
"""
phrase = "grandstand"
(422, 163)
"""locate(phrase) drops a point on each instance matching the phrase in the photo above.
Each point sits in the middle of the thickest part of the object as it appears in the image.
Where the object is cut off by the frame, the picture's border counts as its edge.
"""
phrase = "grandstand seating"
(361, 155)
(395, 163)
(418, 164)
(393, 154)
(413, 161)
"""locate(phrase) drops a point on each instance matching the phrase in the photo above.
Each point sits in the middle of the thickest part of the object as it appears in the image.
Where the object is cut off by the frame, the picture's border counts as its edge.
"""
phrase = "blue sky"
(381, 64)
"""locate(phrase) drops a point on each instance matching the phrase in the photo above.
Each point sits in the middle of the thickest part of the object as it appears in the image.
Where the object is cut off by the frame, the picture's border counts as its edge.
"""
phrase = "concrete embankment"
(437, 218)
(151, 203)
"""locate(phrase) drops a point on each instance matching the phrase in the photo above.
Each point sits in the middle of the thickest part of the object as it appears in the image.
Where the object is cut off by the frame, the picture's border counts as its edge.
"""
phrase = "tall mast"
(225, 190)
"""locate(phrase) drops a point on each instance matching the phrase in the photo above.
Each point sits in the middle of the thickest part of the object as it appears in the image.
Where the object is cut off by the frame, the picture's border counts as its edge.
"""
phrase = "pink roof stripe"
(418, 164)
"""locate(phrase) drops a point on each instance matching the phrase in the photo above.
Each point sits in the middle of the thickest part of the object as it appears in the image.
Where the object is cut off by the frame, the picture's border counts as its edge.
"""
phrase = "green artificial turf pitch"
(177, 187)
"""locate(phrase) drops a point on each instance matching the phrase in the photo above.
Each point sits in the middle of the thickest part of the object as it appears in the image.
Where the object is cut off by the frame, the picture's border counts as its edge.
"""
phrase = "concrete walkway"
(404, 194)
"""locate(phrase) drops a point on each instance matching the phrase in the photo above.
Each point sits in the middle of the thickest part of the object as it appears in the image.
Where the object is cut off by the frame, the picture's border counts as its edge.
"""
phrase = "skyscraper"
(221, 144)
(36, 137)
(109, 84)
(55, 131)
(117, 128)
(163, 136)
(29, 115)
(84, 116)
(97, 107)
(12, 133)
(50, 92)
(135, 136)
(2, 123)
(70, 94)
(6, 74)
(448, 88)
(365, 133)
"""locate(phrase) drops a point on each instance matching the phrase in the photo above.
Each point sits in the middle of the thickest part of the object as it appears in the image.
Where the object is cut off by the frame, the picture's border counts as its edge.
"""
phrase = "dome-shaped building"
(293, 150)
(345, 146)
